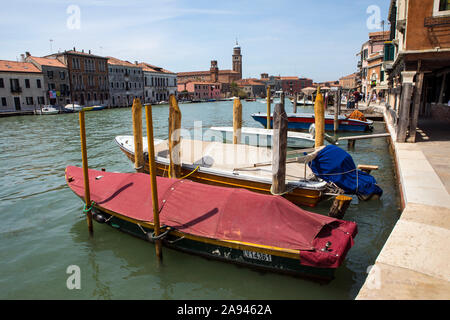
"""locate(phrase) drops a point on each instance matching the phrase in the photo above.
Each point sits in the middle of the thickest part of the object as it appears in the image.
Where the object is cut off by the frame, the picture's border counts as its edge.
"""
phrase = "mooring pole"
(87, 193)
(136, 110)
(174, 138)
(339, 207)
(237, 121)
(319, 119)
(336, 111)
(295, 103)
(268, 107)
(152, 167)
(279, 148)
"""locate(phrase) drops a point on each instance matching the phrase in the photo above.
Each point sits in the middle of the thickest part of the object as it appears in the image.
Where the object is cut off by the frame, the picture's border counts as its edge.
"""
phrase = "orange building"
(417, 62)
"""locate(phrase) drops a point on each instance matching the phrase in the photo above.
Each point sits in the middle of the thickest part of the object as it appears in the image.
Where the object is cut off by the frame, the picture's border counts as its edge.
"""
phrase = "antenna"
(51, 47)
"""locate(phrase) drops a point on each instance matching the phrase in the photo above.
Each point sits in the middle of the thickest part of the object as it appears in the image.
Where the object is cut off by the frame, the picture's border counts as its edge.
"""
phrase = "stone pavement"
(415, 260)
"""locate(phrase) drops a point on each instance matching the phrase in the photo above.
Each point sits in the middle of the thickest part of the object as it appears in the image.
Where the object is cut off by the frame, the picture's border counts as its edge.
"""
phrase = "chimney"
(22, 57)
(136, 63)
(27, 53)
(74, 49)
(89, 51)
(82, 50)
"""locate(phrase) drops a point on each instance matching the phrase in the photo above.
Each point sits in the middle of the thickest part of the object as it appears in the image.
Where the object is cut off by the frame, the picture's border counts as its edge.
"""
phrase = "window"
(4, 101)
(29, 100)
(2, 84)
(444, 5)
(62, 75)
(38, 83)
(50, 74)
(441, 7)
(41, 100)
(27, 83)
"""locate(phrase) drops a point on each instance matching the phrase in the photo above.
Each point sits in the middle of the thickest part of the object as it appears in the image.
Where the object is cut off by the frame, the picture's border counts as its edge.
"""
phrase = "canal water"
(43, 230)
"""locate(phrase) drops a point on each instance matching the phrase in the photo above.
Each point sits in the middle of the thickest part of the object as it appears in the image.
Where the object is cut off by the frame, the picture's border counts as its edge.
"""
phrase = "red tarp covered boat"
(234, 225)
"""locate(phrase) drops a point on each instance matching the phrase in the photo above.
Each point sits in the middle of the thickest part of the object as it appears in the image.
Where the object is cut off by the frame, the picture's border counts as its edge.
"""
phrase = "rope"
(86, 210)
(198, 167)
(153, 237)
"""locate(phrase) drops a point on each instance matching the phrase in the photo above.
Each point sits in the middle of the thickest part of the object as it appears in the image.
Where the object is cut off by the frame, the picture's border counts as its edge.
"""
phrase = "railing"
(437, 21)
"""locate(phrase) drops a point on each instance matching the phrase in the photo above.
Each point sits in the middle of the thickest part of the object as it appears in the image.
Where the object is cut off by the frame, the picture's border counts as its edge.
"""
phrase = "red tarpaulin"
(220, 213)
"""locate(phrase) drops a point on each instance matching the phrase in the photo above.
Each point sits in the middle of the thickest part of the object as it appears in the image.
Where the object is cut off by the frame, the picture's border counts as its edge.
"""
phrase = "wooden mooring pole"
(237, 121)
(174, 138)
(319, 112)
(268, 107)
(87, 193)
(136, 110)
(295, 103)
(337, 105)
(152, 167)
(279, 148)
(340, 205)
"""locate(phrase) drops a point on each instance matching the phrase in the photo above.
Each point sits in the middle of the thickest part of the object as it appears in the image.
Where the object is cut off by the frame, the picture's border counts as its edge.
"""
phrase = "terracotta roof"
(118, 62)
(353, 75)
(48, 62)
(250, 82)
(13, 66)
(193, 73)
(81, 53)
(289, 78)
(151, 68)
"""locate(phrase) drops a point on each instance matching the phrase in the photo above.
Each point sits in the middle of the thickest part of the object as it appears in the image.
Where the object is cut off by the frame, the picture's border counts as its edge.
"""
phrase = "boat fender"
(99, 218)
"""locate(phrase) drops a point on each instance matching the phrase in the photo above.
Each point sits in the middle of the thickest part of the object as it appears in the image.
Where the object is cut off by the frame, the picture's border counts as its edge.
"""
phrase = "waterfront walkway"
(414, 262)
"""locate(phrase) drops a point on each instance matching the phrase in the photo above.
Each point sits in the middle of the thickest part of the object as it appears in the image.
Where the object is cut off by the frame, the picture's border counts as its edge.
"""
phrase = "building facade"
(199, 90)
(159, 83)
(254, 88)
(417, 62)
(349, 82)
(56, 79)
(125, 82)
(21, 86)
(371, 65)
(88, 77)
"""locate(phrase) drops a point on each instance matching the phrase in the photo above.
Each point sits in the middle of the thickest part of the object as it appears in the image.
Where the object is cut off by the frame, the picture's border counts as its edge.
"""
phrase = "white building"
(158, 83)
(21, 86)
(125, 82)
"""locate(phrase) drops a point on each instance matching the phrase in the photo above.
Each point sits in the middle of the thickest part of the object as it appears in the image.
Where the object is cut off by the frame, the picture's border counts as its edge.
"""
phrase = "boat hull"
(303, 123)
(299, 196)
(229, 252)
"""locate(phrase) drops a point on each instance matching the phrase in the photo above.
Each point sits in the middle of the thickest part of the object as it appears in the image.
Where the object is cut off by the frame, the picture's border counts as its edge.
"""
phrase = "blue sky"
(306, 38)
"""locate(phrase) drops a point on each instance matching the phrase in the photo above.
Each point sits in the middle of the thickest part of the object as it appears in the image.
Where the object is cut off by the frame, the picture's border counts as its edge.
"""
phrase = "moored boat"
(232, 225)
(302, 121)
(46, 110)
(229, 165)
(73, 107)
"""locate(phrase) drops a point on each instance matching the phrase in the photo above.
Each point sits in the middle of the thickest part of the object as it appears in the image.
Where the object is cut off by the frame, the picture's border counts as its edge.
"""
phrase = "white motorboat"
(47, 110)
(73, 107)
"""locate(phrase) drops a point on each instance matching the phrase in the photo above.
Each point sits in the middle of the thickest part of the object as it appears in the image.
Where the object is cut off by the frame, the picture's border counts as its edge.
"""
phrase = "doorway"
(17, 103)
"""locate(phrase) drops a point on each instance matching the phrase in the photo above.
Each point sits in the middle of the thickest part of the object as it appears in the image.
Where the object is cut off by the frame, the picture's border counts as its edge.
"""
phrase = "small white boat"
(304, 102)
(263, 137)
(47, 110)
(73, 107)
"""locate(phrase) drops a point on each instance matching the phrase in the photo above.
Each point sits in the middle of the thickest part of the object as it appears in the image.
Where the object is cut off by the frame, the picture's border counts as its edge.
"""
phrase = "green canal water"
(43, 230)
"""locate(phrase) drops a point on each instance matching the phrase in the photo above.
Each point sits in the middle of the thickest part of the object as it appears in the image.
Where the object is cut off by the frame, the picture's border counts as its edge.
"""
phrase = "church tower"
(214, 71)
(237, 59)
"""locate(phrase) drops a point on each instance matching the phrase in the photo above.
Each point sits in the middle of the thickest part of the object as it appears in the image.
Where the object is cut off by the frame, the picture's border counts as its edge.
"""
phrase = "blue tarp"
(335, 165)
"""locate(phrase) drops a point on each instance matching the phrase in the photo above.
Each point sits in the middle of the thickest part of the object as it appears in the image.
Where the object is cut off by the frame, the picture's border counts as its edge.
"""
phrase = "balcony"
(16, 89)
(359, 65)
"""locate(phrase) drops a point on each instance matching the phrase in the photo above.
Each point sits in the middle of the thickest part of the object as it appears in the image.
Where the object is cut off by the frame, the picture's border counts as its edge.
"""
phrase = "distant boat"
(303, 102)
(73, 107)
(47, 110)
(303, 121)
(97, 108)
(250, 99)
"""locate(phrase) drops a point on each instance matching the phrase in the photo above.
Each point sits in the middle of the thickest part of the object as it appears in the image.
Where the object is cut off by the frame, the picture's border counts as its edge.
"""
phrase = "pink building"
(199, 90)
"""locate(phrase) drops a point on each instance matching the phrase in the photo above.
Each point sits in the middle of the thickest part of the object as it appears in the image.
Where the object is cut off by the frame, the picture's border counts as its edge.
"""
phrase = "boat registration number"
(257, 255)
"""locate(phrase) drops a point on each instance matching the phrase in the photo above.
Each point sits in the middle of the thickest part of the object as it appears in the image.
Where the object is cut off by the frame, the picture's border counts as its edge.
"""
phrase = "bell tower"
(237, 59)
(214, 71)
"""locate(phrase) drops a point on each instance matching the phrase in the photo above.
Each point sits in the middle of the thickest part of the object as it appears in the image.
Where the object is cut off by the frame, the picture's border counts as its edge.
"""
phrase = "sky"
(305, 38)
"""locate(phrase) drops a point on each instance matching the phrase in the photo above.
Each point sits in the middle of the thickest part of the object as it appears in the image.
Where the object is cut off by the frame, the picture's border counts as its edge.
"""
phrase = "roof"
(289, 78)
(13, 66)
(250, 82)
(151, 68)
(51, 62)
(82, 54)
(118, 62)
(193, 73)
(353, 75)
